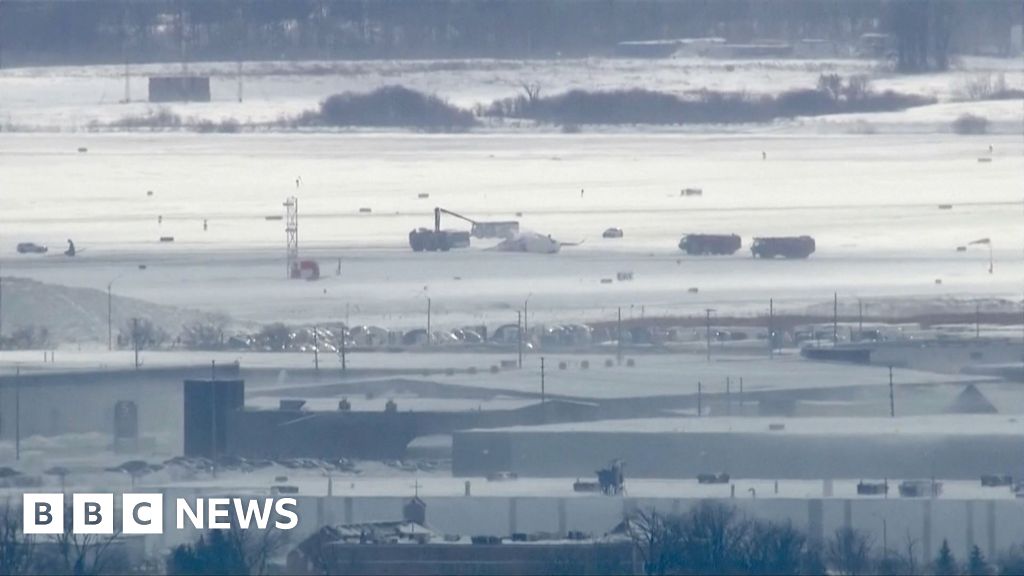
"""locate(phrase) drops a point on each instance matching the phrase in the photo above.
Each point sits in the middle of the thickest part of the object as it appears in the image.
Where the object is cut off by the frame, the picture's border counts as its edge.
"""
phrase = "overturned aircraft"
(533, 243)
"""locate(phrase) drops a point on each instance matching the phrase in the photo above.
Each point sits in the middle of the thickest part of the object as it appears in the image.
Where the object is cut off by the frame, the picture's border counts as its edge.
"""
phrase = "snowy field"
(871, 202)
(72, 98)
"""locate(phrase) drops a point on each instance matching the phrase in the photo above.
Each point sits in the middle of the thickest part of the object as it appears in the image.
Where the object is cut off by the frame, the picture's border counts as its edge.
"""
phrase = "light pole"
(707, 314)
(526, 316)
(519, 338)
(991, 258)
(110, 312)
(885, 536)
(110, 307)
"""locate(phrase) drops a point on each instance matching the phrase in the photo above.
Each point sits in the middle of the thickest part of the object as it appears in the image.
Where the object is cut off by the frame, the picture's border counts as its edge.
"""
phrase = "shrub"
(986, 87)
(968, 124)
(390, 106)
(227, 126)
(833, 95)
(160, 118)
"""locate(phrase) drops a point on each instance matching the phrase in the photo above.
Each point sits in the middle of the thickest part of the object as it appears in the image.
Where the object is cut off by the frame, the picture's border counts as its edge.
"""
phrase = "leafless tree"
(15, 547)
(532, 91)
(83, 554)
(771, 548)
(713, 537)
(257, 547)
(848, 552)
(653, 540)
(857, 87)
(204, 335)
(831, 84)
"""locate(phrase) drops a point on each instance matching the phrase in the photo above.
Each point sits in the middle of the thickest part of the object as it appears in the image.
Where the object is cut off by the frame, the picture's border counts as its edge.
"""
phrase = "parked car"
(612, 233)
(31, 248)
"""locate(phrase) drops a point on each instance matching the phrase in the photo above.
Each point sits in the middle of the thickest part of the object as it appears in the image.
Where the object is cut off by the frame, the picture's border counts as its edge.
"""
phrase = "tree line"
(116, 31)
(714, 538)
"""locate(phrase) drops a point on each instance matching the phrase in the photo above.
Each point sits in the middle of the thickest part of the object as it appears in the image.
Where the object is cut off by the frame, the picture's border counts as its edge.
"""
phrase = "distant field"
(871, 202)
(72, 98)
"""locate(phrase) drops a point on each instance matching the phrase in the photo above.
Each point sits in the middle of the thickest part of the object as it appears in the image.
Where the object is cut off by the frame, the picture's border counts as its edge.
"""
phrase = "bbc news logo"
(43, 513)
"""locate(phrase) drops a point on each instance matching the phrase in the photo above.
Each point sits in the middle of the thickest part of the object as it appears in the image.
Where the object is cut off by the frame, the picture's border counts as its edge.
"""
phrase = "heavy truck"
(708, 244)
(425, 239)
(783, 246)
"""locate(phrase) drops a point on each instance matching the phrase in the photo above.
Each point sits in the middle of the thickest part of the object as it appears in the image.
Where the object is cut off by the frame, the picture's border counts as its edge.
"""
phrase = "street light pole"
(526, 315)
(707, 313)
(519, 338)
(17, 413)
(110, 316)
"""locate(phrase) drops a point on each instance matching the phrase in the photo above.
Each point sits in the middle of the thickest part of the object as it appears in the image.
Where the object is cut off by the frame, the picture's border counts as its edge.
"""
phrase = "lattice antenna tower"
(291, 230)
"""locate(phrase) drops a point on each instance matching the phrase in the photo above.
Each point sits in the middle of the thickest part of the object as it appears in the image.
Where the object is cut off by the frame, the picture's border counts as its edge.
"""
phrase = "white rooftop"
(958, 424)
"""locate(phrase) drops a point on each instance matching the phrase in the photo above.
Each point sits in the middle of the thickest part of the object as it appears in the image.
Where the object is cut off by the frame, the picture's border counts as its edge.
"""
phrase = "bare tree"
(712, 538)
(82, 554)
(532, 91)
(15, 547)
(831, 84)
(772, 548)
(652, 540)
(204, 335)
(143, 333)
(231, 551)
(857, 87)
(848, 552)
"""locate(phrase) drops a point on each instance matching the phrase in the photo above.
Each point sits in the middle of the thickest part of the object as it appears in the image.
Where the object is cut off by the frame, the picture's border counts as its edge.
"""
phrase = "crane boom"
(437, 217)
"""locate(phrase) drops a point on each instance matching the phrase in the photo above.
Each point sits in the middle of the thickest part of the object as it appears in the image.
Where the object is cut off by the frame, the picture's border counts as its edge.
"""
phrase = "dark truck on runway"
(784, 246)
(707, 244)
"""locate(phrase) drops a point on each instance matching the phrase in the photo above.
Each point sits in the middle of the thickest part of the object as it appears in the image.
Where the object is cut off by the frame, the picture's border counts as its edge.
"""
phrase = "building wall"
(762, 455)
(994, 525)
(55, 404)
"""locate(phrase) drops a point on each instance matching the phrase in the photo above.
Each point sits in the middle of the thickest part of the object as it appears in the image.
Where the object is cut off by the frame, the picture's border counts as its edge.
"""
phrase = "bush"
(227, 126)
(27, 338)
(833, 95)
(968, 124)
(391, 106)
(987, 87)
(161, 118)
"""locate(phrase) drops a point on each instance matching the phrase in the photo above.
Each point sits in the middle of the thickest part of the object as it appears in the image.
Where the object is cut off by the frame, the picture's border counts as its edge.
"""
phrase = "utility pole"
(344, 336)
(771, 328)
(110, 317)
(892, 396)
(17, 413)
(541, 379)
(526, 315)
(135, 340)
(700, 409)
(1, 309)
(728, 396)
(707, 320)
(835, 318)
(618, 337)
(519, 339)
(860, 318)
(316, 348)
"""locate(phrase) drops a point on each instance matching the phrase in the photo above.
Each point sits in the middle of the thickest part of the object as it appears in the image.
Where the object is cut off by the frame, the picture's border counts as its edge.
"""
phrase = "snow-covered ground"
(70, 98)
(871, 202)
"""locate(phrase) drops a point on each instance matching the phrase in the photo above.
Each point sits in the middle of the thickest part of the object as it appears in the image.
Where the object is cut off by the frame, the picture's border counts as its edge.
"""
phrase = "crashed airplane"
(533, 243)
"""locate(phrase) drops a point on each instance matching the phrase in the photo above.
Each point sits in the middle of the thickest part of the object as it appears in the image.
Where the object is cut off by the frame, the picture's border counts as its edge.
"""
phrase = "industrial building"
(943, 446)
